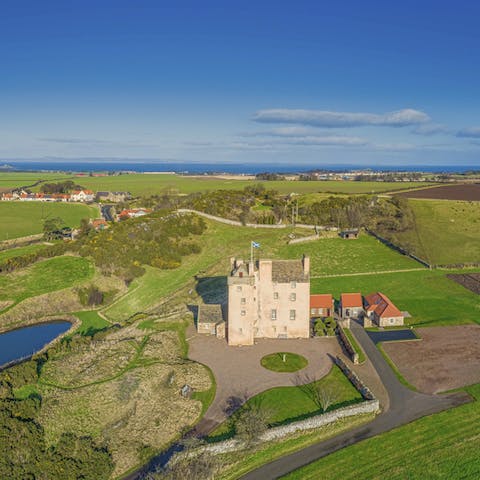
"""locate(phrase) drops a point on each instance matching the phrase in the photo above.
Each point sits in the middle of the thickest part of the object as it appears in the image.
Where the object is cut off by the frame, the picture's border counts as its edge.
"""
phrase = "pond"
(21, 343)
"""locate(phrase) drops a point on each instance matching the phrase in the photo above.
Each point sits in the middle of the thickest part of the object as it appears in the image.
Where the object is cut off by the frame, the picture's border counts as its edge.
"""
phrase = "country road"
(405, 406)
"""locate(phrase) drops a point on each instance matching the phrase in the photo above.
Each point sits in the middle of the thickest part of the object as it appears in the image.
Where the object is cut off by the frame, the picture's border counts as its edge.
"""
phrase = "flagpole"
(251, 251)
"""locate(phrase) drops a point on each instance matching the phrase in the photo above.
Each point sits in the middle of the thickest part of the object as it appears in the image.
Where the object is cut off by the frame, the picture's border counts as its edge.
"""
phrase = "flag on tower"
(255, 244)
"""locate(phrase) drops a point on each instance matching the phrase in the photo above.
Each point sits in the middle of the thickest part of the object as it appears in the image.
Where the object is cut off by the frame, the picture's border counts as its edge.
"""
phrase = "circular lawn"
(284, 362)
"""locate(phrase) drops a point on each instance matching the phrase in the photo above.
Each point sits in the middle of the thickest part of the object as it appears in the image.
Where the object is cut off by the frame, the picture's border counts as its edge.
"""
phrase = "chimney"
(306, 264)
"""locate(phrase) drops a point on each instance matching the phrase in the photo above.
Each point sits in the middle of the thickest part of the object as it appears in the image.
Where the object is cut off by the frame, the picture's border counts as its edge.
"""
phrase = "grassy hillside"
(446, 231)
(20, 219)
(428, 295)
(440, 446)
(43, 277)
(219, 242)
(15, 252)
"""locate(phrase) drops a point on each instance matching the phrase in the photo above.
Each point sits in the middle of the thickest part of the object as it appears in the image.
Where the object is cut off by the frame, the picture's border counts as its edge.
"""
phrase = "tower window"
(274, 314)
(293, 314)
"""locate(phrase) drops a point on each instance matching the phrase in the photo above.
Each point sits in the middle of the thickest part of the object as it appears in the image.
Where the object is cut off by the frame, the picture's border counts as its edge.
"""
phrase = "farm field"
(330, 256)
(447, 231)
(428, 295)
(44, 277)
(20, 219)
(444, 445)
(150, 184)
(10, 180)
(467, 192)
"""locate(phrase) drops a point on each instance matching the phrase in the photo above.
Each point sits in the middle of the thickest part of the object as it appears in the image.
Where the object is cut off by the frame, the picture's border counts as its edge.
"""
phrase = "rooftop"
(285, 271)
(324, 300)
(382, 305)
(351, 300)
(210, 313)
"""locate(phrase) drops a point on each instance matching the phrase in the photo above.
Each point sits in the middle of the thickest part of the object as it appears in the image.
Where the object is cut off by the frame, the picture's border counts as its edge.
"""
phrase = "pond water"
(17, 344)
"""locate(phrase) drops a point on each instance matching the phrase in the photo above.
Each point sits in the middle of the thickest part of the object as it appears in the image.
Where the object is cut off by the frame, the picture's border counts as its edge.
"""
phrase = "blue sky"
(384, 83)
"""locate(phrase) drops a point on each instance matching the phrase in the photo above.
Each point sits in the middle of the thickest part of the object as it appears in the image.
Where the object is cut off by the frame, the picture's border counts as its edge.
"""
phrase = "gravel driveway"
(238, 372)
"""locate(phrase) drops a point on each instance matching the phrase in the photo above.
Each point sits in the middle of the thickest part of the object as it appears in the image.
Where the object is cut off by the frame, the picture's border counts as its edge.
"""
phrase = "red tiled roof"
(351, 300)
(321, 301)
(382, 305)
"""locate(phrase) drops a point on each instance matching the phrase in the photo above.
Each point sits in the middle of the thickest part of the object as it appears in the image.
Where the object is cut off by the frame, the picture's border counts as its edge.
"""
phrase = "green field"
(329, 256)
(428, 295)
(284, 362)
(288, 404)
(441, 446)
(10, 180)
(20, 219)
(15, 252)
(447, 231)
(149, 184)
(44, 277)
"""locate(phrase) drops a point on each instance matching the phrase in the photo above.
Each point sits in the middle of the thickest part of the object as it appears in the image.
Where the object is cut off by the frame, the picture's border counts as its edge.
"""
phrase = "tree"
(324, 396)
(52, 227)
(251, 422)
(319, 328)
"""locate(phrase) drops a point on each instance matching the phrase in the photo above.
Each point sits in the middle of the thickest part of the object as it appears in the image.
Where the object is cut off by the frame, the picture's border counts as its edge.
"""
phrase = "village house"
(82, 196)
(351, 305)
(99, 224)
(269, 299)
(380, 310)
(321, 305)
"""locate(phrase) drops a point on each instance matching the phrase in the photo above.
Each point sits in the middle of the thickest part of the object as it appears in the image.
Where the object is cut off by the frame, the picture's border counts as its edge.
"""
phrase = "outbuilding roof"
(351, 300)
(210, 314)
(324, 300)
(382, 305)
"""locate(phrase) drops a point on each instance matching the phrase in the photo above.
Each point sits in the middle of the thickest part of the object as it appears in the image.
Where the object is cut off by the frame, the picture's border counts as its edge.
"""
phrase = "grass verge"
(355, 345)
(283, 362)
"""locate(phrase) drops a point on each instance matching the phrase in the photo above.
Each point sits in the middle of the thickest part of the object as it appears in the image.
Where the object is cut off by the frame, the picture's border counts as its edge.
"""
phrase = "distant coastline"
(213, 168)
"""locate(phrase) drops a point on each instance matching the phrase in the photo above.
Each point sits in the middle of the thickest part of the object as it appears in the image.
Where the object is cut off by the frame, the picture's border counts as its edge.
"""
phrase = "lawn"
(288, 404)
(20, 219)
(428, 295)
(444, 445)
(336, 256)
(284, 362)
(447, 231)
(44, 277)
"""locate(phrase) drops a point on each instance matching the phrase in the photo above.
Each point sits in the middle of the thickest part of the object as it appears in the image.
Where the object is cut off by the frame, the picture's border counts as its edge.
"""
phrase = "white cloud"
(470, 132)
(431, 129)
(326, 119)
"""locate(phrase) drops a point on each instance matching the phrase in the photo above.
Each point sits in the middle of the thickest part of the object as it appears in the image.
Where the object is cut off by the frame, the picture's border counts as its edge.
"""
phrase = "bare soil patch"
(471, 281)
(445, 358)
(467, 192)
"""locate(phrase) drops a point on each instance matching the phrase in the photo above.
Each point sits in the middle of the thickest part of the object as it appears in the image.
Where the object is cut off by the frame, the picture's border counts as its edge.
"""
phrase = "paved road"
(405, 406)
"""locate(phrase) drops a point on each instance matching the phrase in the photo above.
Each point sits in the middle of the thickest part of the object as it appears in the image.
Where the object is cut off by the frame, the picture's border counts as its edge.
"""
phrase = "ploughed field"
(444, 359)
(468, 280)
(467, 192)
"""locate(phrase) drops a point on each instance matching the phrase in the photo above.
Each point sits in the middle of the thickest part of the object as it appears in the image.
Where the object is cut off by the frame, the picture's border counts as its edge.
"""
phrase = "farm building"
(321, 305)
(269, 299)
(351, 305)
(113, 196)
(382, 311)
(351, 234)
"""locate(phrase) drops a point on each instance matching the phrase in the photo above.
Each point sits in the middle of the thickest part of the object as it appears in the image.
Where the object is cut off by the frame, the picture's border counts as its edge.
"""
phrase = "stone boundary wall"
(348, 346)
(356, 382)
(20, 241)
(275, 433)
(304, 239)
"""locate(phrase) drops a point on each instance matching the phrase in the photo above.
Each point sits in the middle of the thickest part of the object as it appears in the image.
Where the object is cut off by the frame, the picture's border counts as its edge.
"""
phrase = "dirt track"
(466, 192)
(445, 358)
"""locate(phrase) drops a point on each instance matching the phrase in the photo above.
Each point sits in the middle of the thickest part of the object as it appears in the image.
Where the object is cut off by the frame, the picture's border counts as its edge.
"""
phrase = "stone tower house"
(269, 299)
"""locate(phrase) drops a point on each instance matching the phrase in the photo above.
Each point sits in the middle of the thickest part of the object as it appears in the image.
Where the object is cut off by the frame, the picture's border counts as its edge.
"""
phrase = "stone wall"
(317, 421)
(348, 346)
(356, 382)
